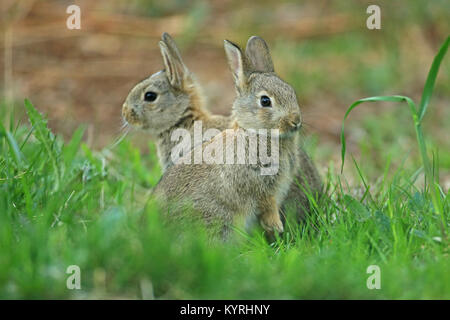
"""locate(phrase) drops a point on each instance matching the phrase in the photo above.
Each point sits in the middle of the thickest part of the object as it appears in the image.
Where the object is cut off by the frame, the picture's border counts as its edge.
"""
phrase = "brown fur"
(179, 104)
(222, 192)
(182, 103)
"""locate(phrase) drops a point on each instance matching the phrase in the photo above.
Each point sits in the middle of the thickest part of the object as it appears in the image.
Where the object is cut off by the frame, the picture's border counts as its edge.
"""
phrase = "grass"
(417, 115)
(63, 204)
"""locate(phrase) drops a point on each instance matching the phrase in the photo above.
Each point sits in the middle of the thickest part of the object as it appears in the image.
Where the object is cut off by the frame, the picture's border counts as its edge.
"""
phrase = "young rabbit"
(168, 100)
(223, 192)
(307, 178)
(172, 99)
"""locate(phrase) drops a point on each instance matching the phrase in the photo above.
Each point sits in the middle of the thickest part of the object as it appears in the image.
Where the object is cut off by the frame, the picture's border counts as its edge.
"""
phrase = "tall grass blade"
(43, 134)
(410, 103)
(70, 150)
(432, 74)
(14, 147)
(417, 117)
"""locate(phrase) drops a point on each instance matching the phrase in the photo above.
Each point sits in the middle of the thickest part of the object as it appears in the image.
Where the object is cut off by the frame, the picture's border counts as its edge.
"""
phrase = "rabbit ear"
(174, 67)
(258, 53)
(167, 39)
(236, 63)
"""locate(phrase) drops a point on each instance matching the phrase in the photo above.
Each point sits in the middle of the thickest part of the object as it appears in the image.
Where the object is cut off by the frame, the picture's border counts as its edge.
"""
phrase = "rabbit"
(307, 178)
(168, 100)
(179, 102)
(222, 193)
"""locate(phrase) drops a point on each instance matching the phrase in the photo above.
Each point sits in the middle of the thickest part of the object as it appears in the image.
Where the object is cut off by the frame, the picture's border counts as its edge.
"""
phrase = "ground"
(73, 197)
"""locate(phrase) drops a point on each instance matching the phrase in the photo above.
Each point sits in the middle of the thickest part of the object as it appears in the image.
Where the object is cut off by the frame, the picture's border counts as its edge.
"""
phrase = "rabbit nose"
(124, 109)
(295, 121)
(297, 125)
(129, 109)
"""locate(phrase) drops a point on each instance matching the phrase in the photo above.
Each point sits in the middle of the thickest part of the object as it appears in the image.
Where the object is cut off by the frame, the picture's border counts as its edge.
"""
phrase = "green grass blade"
(43, 134)
(432, 74)
(70, 150)
(410, 103)
(417, 117)
(17, 155)
(14, 147)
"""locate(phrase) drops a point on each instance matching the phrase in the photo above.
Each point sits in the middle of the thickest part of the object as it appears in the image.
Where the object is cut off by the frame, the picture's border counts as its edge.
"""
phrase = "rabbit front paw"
(272, 223)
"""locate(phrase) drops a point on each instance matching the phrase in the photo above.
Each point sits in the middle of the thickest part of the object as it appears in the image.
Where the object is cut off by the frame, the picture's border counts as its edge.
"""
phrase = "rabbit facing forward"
(223, 192)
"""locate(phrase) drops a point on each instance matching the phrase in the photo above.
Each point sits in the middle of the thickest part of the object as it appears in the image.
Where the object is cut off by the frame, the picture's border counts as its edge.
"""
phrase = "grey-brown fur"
(183, 103)
(222, 192)
(179, 104)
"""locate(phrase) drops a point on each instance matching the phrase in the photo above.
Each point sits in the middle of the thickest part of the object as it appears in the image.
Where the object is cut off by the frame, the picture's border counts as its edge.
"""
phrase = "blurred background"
(322, 47)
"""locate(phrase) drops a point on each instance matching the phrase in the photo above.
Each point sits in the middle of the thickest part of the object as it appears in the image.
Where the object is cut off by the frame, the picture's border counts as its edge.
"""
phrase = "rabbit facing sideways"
(223, 192)
(172, 99)
(168, 100)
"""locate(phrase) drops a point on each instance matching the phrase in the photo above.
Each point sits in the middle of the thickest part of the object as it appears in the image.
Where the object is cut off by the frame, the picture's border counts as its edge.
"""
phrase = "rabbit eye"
(150, 96)
(265, 102)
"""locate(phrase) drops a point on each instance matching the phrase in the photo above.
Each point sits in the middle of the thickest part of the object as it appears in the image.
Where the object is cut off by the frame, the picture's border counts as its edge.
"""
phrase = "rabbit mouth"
(288, 134)
(289, 129)
(133, 120)
(290, 124)
(132, 117)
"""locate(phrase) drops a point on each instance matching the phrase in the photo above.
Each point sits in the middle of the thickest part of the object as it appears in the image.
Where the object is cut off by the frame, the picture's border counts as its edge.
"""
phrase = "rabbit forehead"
(273, 86)
(157, 82)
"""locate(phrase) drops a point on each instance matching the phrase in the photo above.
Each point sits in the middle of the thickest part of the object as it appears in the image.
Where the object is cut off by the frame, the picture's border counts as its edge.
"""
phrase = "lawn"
(63, 203)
